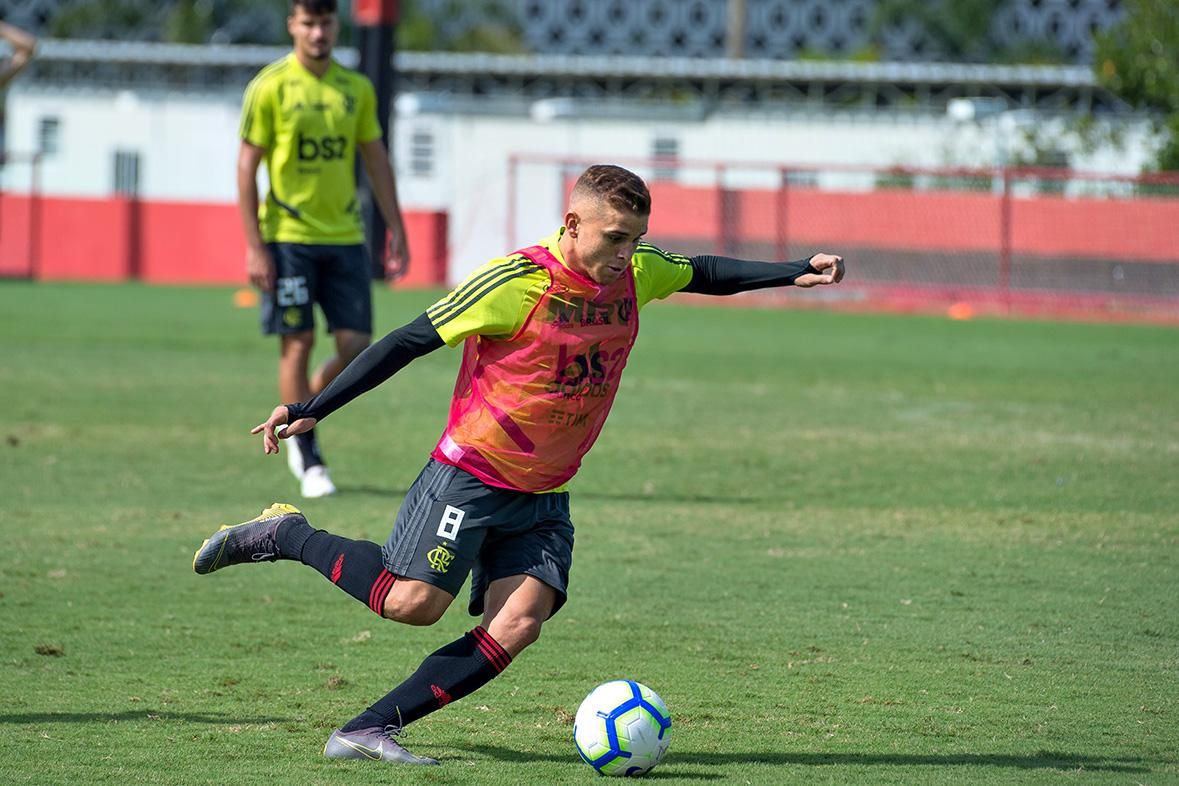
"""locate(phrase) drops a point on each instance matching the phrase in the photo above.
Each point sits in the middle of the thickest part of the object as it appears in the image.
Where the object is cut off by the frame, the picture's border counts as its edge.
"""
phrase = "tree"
(958, 30)
(188, 22)
(961, 31)
(175, 21)
(497, 30)
(106, 19)
(1138, 60)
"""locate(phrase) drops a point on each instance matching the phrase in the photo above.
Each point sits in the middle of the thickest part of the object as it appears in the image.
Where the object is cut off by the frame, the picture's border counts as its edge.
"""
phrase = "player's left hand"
(276, 428)
(830, 267)
(397, 261)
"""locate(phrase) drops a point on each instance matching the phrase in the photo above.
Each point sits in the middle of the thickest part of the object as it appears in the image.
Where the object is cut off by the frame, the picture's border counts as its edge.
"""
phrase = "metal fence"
(774, 29)
(1019, 242)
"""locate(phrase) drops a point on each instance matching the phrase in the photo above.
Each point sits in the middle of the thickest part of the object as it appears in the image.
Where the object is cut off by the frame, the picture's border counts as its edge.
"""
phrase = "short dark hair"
(619, 187)
(314, 6)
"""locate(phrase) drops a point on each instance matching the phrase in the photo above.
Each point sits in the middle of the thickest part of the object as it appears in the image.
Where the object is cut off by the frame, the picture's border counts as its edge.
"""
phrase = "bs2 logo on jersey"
(327, 148)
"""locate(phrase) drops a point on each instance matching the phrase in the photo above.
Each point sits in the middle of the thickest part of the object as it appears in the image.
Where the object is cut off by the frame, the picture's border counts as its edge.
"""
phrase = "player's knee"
(414, 603)
(351, 345)
(412, 613)
(296, 345)
(514, 633)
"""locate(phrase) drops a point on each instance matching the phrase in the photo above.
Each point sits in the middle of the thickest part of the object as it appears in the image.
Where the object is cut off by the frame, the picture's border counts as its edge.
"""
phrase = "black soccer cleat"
(373, 744)
(251, 541)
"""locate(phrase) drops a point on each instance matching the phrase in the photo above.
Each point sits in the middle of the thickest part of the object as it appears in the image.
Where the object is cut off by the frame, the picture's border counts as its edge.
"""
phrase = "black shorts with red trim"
(451, 524)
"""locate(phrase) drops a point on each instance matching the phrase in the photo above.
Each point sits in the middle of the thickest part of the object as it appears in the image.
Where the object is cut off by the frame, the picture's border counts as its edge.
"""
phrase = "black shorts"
(452, 524)
(338, 278)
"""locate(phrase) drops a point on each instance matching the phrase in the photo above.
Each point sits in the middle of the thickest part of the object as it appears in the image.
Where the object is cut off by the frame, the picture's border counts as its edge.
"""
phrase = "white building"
(161, 122)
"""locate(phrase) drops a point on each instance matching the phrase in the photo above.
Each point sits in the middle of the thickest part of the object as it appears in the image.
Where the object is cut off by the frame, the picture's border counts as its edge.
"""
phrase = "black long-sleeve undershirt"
(370, 368)
(716, 275)
(711, 275)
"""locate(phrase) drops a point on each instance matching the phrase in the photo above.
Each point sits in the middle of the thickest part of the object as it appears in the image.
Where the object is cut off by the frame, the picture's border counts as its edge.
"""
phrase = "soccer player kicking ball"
(547, 331)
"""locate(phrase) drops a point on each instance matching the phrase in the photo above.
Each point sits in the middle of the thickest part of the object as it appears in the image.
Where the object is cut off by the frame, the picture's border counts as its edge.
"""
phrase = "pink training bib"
(527, 409)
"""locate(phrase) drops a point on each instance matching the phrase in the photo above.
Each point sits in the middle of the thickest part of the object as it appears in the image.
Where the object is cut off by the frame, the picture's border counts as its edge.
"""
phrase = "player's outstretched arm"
(370, 368)
(716, 275)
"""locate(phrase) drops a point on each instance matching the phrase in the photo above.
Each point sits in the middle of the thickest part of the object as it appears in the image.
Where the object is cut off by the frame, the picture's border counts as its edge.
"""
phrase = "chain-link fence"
(1014, 241)
(1059, 30)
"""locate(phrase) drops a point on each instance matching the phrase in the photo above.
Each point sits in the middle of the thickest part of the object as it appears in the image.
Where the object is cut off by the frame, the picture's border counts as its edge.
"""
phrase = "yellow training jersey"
(496, 299)
(310, 127)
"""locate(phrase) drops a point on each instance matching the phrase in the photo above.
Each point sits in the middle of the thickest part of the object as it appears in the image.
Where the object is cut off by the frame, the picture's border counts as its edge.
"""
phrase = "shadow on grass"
(1041, 760)
(134, 715)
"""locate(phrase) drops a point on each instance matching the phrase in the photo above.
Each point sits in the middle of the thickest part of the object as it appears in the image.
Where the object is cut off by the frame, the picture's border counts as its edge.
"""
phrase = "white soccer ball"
(622, 728)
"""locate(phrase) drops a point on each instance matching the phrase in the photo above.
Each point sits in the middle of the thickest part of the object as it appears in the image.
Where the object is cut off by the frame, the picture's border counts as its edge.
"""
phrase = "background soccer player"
(308, 116)
(547, 332)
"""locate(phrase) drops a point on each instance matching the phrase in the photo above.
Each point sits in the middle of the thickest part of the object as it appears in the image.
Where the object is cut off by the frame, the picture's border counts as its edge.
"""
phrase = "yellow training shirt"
(496, 299)
(310, 127)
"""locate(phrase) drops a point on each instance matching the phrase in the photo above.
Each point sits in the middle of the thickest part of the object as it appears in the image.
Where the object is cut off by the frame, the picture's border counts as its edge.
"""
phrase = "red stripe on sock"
(491, 649)
(492, 657)
(380, 590)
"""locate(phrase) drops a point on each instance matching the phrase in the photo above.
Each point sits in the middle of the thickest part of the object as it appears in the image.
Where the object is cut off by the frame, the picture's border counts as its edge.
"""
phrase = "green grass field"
(843, 548)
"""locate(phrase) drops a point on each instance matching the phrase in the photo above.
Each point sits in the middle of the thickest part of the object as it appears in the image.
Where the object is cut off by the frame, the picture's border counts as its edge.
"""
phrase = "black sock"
(458, 669)
(309, 448)
(354, 566)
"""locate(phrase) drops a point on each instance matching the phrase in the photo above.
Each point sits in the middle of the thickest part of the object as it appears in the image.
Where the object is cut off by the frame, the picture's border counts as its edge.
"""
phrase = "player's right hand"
(830, 267)
(275, 428)
(260, 267)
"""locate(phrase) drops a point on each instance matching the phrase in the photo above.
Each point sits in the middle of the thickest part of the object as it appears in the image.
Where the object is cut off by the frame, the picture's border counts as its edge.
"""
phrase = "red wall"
(160, 242)
(190, 242)
(1131, 229)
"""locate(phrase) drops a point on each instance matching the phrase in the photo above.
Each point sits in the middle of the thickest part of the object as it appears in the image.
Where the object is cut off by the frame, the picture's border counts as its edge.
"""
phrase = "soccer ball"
(622, 728)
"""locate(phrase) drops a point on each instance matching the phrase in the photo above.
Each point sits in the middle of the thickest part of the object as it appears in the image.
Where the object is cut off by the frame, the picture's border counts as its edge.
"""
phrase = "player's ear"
(572, 222)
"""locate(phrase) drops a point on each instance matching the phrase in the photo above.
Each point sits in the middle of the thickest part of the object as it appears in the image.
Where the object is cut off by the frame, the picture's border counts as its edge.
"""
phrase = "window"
(126, 173)
(665, 151)
(48, 135)
(421, 152)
